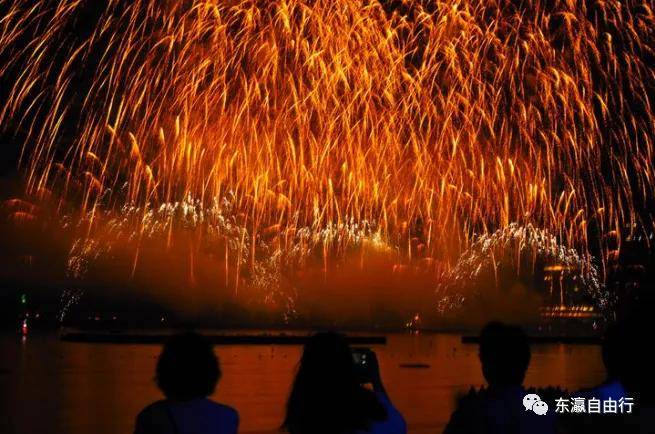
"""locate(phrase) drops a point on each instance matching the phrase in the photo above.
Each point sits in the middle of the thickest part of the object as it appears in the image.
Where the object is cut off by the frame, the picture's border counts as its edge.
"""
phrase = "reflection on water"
(48, 386)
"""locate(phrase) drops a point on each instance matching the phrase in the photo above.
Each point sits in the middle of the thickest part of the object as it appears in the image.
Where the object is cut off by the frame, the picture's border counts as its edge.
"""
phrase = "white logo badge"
(533, 402)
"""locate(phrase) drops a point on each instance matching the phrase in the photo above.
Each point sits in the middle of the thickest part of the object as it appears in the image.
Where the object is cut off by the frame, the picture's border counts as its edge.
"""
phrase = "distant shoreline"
(118, 337)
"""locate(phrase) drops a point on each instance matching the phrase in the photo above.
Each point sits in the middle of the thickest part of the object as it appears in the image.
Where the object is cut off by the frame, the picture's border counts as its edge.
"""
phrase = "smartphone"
(361, 357)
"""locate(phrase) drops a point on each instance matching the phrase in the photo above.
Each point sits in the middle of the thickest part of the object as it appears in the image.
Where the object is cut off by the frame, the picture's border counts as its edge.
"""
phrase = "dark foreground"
(77, 388)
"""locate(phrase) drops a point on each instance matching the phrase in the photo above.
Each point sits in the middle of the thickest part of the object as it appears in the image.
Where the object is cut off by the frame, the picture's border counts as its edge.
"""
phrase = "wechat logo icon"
(533, 402)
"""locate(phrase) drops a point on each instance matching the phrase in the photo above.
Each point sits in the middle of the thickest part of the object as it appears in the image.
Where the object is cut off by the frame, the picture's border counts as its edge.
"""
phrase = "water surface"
(48, 386)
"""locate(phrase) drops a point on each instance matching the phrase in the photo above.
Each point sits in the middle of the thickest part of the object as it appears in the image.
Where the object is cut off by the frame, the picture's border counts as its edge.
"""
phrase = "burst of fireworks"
(433, 121)
(512, 247)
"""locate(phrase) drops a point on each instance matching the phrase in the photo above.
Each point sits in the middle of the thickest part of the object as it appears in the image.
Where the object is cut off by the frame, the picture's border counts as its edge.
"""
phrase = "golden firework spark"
(426, 121)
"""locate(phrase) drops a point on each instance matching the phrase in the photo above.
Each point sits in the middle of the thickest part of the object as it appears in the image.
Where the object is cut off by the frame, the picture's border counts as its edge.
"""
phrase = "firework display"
(270, 132)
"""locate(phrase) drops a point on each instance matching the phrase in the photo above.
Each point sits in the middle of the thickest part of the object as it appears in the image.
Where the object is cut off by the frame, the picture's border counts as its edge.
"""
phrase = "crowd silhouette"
(339, 390)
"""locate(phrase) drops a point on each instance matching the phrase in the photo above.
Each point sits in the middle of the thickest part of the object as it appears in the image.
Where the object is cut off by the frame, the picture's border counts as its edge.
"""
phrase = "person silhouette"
(504, 355)
(615, 348)
(635, 362)
(187, 373)
(613, 353)
(328, 397)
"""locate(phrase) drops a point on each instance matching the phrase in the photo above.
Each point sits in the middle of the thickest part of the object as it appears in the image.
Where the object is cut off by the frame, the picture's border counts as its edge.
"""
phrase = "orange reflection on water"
(56, 387)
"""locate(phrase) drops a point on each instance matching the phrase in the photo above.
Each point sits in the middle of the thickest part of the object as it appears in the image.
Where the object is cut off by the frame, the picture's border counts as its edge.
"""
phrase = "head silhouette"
(187, 368)
(504, 354)
(326, 396)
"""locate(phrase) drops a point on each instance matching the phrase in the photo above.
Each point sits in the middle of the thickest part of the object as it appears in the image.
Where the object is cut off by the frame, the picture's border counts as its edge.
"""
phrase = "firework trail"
(420, 124)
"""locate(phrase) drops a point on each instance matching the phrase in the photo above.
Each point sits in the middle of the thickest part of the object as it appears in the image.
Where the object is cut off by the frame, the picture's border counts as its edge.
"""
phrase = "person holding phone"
(330, 394)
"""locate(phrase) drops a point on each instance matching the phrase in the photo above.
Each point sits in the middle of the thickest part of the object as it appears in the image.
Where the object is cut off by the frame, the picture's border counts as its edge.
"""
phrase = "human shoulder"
(151, 417)
(217, 406)
(223, 410)
(155, 408)
(394, 422)
(474, 400)
(468, 413)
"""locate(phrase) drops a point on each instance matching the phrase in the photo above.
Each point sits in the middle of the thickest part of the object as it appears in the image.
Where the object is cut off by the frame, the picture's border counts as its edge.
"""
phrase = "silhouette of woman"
(187, 373)
(327, 396)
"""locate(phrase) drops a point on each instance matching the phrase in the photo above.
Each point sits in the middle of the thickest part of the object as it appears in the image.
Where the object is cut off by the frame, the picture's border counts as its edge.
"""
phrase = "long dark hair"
(326, 396)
